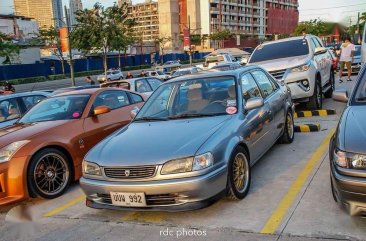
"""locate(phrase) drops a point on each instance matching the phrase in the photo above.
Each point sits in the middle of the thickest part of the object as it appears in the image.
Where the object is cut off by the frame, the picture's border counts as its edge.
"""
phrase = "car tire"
(108, 80)
(316, 100)
(239, 174)
(329, 92)
(121, 78)
(333, 191)
(49, 173)
(289, 130)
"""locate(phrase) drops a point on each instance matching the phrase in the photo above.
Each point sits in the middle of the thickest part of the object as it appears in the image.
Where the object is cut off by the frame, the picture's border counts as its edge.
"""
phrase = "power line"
(345, 6)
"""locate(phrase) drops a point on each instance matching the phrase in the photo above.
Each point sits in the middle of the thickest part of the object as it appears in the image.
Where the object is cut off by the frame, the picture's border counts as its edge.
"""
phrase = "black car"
(347, 150)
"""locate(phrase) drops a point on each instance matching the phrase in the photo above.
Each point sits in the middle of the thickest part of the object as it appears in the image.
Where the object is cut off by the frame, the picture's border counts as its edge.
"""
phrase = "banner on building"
(64, 40)
(186, 39)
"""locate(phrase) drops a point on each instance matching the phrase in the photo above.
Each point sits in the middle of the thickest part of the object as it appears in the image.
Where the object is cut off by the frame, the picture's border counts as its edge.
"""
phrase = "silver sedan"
(194, 141)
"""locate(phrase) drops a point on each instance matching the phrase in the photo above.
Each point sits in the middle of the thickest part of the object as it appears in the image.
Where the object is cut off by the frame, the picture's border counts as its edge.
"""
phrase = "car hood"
(285, 63)
(153, 143)
(355, 130)
(22, 131)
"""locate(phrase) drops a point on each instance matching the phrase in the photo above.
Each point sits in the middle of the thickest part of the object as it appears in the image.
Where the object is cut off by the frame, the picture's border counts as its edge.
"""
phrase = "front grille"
(151, 200)
(278, 74)
(130, 172)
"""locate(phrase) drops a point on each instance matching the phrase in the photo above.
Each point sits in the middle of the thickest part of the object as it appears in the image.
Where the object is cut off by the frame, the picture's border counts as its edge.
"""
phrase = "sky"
(329, 10)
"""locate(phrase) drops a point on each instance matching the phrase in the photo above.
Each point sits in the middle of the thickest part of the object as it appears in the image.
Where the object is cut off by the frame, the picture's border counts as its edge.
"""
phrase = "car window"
(112, 98)
(154, 83)
(9, 110)
(264, 83)
(316, 43)
(279, 50)
(30, 101)
(142, 86)
(249, 87)
(320, 42)
(136, 98)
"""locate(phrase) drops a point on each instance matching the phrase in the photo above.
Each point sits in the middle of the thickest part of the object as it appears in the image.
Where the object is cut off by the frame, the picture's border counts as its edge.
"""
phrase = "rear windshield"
(280, 50)
(214, 59)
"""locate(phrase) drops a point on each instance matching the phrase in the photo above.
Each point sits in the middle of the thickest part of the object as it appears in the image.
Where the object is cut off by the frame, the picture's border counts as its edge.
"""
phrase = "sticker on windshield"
(76, 115)
(230, 103)
(231, 110)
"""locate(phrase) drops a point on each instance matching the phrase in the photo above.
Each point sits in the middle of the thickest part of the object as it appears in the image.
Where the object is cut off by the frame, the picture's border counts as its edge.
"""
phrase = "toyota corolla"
(193, 142)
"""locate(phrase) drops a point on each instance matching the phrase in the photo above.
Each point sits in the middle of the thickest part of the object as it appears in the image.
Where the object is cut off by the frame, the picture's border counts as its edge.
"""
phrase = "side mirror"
(134, 112)
(340, 95)
(254, 103)
(320, 50)
(99, 110)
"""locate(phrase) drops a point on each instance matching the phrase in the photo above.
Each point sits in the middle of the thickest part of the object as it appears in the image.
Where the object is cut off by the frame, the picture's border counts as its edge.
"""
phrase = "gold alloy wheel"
(290, 126)
(240, 172)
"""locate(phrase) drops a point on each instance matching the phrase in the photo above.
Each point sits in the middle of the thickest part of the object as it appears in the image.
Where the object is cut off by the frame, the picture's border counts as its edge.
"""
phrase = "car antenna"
(34, 86)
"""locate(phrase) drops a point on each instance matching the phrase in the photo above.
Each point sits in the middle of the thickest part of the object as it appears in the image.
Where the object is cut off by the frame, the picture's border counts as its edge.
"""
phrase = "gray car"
(347, 150)
(14, 106)
(193, 142)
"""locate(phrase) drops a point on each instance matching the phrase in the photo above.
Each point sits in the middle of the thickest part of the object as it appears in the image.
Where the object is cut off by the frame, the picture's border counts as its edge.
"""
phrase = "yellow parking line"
(151, 217)
(65, 206)
(279, 213)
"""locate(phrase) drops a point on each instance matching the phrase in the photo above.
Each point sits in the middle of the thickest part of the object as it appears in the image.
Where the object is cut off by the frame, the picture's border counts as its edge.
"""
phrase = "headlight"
(90, 168)
(188, 164)
(301, 68)
(8, 151)
(202, 161)
(350, 160)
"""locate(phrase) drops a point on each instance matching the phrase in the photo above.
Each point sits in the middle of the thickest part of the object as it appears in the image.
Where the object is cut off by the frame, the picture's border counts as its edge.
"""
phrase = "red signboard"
(64, 39)
(187, 40)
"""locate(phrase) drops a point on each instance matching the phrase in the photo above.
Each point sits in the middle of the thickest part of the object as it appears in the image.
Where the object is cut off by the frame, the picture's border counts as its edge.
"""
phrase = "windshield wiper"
(181, 116)
(150, 118)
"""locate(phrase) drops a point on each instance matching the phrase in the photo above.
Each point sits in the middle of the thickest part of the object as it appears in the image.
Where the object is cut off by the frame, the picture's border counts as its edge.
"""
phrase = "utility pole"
(70, 61)
(190, 44)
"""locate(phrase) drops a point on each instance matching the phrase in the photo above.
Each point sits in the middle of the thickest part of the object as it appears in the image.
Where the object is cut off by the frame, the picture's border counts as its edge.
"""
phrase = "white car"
(213, 60)
(158, 74)
(111, 75)
(143, 85)
(186, 71)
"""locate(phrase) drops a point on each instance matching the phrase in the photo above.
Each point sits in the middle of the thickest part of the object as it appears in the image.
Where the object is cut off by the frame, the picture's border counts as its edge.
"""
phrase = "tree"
(99, 29)
(50, 38)
(162, 41)
(315, 27)
(221, 35)
(8, 49)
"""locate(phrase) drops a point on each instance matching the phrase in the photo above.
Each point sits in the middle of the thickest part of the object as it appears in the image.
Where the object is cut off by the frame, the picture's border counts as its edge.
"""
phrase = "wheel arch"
(59, 148)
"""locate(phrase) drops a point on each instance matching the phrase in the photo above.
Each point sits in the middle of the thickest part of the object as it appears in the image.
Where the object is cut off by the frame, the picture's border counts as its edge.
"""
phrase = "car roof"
(210, 74)
(15, 95)
(80, 92)
(287, 39)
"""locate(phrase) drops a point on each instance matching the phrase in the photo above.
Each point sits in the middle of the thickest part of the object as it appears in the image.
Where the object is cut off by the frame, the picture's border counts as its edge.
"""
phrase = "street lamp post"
(70, 60)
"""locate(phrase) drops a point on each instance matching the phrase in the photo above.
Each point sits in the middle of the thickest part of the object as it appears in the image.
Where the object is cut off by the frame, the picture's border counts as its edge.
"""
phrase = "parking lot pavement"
(289, 199)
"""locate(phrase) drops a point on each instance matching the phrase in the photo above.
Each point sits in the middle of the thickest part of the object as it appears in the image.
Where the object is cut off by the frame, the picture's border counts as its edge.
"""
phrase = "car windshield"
(57, 108)
(360, 92)
(358, 50)
(190, 99)
(181, 72)
(280, 50)
(160, 72)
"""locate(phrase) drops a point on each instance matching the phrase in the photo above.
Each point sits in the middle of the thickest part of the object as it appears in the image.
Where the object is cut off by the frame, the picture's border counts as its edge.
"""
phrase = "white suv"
(302, 63)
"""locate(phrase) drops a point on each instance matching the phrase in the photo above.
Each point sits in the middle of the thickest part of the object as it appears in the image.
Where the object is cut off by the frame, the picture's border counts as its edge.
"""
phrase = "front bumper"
(13, 186)
(169, 195)
(294, 79)
(350, 191)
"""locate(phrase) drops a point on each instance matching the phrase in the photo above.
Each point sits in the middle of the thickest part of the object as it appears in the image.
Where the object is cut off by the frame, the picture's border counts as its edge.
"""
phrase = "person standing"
(143, 74)
(129, 75)
(346, 58)
(89, 80)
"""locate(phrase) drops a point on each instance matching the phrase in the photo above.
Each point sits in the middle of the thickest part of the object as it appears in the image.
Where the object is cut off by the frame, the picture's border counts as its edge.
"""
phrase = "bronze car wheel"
(49, 173)
(239, 175)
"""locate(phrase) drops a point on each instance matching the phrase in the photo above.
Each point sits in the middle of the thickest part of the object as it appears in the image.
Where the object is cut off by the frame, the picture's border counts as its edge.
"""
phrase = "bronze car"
(42, 153)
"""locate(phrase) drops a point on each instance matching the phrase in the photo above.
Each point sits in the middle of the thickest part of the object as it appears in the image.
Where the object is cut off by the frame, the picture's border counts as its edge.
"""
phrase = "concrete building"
(20, 28)
(74, 6)
(146, 16)
(46, 12)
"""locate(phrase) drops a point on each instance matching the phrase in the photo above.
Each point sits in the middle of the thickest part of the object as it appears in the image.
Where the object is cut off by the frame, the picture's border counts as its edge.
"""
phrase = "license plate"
(128, 199)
